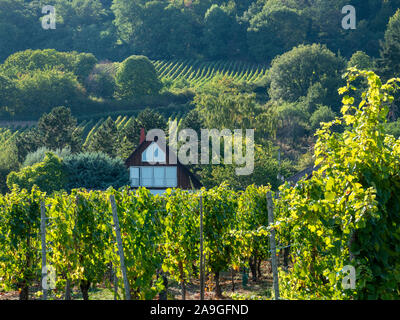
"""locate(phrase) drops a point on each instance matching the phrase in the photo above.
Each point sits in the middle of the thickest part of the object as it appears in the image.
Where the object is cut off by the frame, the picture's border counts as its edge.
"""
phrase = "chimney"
(142, 136)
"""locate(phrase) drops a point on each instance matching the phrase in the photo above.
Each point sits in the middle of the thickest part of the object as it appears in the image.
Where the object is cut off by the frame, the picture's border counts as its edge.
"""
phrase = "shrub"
(40, 91)
(39, 155)
(137, 77)
(95, 170)
(49, 175)
(322, 114)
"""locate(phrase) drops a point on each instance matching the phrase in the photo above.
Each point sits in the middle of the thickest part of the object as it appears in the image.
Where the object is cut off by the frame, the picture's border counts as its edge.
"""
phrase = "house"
(149, 166)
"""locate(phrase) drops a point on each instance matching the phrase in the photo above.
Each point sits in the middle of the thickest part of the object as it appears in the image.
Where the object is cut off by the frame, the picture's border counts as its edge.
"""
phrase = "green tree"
(221, 104)
(8, 160)
(49, 175)
(361, 61)
(390, 48)
(85, 26)
(137, 77)
(58, 129)
(322, 114)
(18, 27)
(25, 62)
(294, 72)
(266, 169)
(39, 155)
(101, 81)
(193, 120)
(223, 36)
(274, 31)
(105, 139)
(8, 94)
(130, 134)
(292, 122)
(158, 29)
(40, 91)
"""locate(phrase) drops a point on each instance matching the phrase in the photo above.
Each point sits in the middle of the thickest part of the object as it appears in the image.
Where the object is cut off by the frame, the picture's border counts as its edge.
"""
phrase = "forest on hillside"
(251, 30)
(110, 68)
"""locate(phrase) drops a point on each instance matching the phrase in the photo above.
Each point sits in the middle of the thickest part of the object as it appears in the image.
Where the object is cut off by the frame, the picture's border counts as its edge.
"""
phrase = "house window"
(153, 153)
(154, 177)
(135, 177)
(171, 176)
(159, 177)
(146, 177)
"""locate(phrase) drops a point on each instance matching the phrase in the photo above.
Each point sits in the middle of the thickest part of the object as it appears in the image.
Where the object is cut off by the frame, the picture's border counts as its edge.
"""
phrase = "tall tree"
(295, 72)
(105, 139)
(390, 49)
(137, 77)
(223, 36)
(274, 31)
(58, 129)
(19, 27)
(130, 133)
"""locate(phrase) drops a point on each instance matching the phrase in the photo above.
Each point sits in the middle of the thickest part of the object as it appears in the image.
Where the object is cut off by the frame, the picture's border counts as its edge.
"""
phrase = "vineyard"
(87, 127)
(160, 236)
(346, 216)
(197, 73)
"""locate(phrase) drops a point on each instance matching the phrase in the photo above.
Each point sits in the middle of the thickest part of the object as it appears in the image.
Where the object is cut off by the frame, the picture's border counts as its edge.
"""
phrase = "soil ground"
(260, 289)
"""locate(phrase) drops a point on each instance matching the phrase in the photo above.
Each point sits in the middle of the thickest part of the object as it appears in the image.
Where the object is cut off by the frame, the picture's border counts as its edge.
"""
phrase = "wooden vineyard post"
(120, 248)
(115, 281)
(43, 238)
(201, 250)
(274, 263)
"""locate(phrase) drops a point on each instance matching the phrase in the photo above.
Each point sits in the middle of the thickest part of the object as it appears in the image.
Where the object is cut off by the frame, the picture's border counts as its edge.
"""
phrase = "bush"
(101, 81)
(137, 77)
(39, 155)
(40, 91)
(95, 170)
(322, 114)
(361, 60)
(80, 64)
(49, 175)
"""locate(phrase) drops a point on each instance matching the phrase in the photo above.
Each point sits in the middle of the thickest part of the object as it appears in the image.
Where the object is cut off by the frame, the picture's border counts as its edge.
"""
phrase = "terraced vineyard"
(197, 72)
(88, 127)
(8, 133)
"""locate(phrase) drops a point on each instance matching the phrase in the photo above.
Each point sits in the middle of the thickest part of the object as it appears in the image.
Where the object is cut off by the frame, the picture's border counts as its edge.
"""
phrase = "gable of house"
(149, 166)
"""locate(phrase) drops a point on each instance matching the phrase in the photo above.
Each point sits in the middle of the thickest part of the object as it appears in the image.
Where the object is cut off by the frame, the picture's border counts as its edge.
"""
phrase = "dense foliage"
(348, 212)
(159, 233)
(259, 29)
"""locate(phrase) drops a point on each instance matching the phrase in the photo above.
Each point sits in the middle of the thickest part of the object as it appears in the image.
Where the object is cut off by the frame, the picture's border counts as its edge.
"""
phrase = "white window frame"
(165, 181)
(135, 181)
(151, 149)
